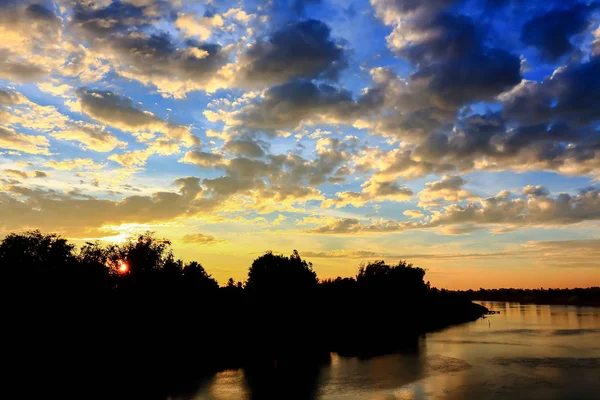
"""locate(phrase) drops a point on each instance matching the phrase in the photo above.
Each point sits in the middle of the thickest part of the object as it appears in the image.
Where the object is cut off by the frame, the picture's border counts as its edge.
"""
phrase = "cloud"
(449, 188)
(16, 173)
(350, 254)
(40, 174)
(552, 253)
(596, 42)
(492, 212)
(32, 144)
(414, 213)
(24, 174)
(244, 147)
(155, 60)
(91, 137)
(203, 159)
(300, 50)
(450, 54)
(287, 105)
(569, 95)
(77, 163)
(79, 216)
(535, 191)
(132, 159)
(551, 32)
(31, 36)
(115, 17)
(118, 111)
(201, 239)
(201, 27)
(373, 191)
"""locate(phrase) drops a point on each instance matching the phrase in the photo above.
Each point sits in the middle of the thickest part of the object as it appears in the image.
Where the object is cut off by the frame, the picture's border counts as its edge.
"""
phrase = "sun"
(122, 267)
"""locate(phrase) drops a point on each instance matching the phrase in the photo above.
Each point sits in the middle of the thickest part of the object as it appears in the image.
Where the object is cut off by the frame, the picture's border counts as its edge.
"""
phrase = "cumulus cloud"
(32, 144)
(31, 37)
(24, 174)
(448, 189)
(287, 105)
(202, 27)
(373, 191)
(77, 216)
(16, 173)
(299, 50)
(414, 213)
(132, 159)
(155, 60)
(538, 209)
(551, 32)
(203, 159)
(245, 147)
(90, 136)
(118, 111)
(449, 52)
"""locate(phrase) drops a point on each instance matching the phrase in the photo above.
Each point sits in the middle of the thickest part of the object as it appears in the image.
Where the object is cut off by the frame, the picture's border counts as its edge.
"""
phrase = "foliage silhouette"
(132, 321)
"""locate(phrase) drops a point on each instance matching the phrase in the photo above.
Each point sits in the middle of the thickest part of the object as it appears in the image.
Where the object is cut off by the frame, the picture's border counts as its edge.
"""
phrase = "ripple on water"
(443, 364)
(554, 362)
(569, 332)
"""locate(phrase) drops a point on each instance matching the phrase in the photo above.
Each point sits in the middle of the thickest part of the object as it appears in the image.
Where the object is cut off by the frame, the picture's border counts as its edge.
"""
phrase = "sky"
(460, 135)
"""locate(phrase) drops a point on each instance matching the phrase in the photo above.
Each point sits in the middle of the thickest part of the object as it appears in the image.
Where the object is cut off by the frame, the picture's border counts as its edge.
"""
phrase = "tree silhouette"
(272, 273)
(135, 307)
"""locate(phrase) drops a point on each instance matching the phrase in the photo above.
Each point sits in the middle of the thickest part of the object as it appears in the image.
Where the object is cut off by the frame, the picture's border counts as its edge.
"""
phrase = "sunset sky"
(463, 136)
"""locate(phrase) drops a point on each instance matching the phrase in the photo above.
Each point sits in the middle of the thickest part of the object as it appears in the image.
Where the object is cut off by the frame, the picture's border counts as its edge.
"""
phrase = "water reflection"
(524, 352)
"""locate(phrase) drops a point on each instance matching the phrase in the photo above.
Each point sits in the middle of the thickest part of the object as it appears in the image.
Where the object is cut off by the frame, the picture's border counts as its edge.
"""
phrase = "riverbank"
(573, 297)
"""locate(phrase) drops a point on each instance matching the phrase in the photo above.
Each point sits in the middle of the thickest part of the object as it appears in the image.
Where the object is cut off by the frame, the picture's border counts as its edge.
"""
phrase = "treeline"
(131, 320)
(578, 296)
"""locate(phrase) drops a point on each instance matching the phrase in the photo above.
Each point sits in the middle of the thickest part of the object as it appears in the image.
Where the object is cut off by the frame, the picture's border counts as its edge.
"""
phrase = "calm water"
(525, 352)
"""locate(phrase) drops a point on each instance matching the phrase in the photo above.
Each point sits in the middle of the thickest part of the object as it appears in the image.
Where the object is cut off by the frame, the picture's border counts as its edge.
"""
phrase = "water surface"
(525, 352)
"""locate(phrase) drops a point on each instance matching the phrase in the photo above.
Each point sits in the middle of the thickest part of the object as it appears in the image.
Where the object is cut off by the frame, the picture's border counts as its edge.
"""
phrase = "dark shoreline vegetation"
(576, 297)
(131, 321)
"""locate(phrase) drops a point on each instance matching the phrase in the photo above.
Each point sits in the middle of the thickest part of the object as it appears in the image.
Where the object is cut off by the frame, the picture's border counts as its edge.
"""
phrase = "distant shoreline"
(569, 297)
(558, 302)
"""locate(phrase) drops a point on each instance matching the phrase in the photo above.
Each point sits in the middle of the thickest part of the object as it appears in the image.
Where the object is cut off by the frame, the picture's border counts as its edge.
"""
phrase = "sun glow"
(122, 267)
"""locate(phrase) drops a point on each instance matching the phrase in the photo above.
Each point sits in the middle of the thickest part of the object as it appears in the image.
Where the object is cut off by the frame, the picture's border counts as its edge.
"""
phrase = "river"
(524, 352)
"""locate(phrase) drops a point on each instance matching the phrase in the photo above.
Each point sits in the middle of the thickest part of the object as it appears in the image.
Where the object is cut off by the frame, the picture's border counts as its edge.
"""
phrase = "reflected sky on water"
(524, 352)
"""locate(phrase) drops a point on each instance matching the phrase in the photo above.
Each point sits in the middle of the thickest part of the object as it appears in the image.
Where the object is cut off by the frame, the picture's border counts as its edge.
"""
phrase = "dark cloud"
(118, 16)
(113, 109)
(9, 97)
(551, 33)
(124, 33)
(40, 174)
(412, 6)
(453, 58)
(19, 70)
(245, 147)
(524, 136)
(571, 94)
(535, 191)
(156, 59)
(287, 105)
(299, 50)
